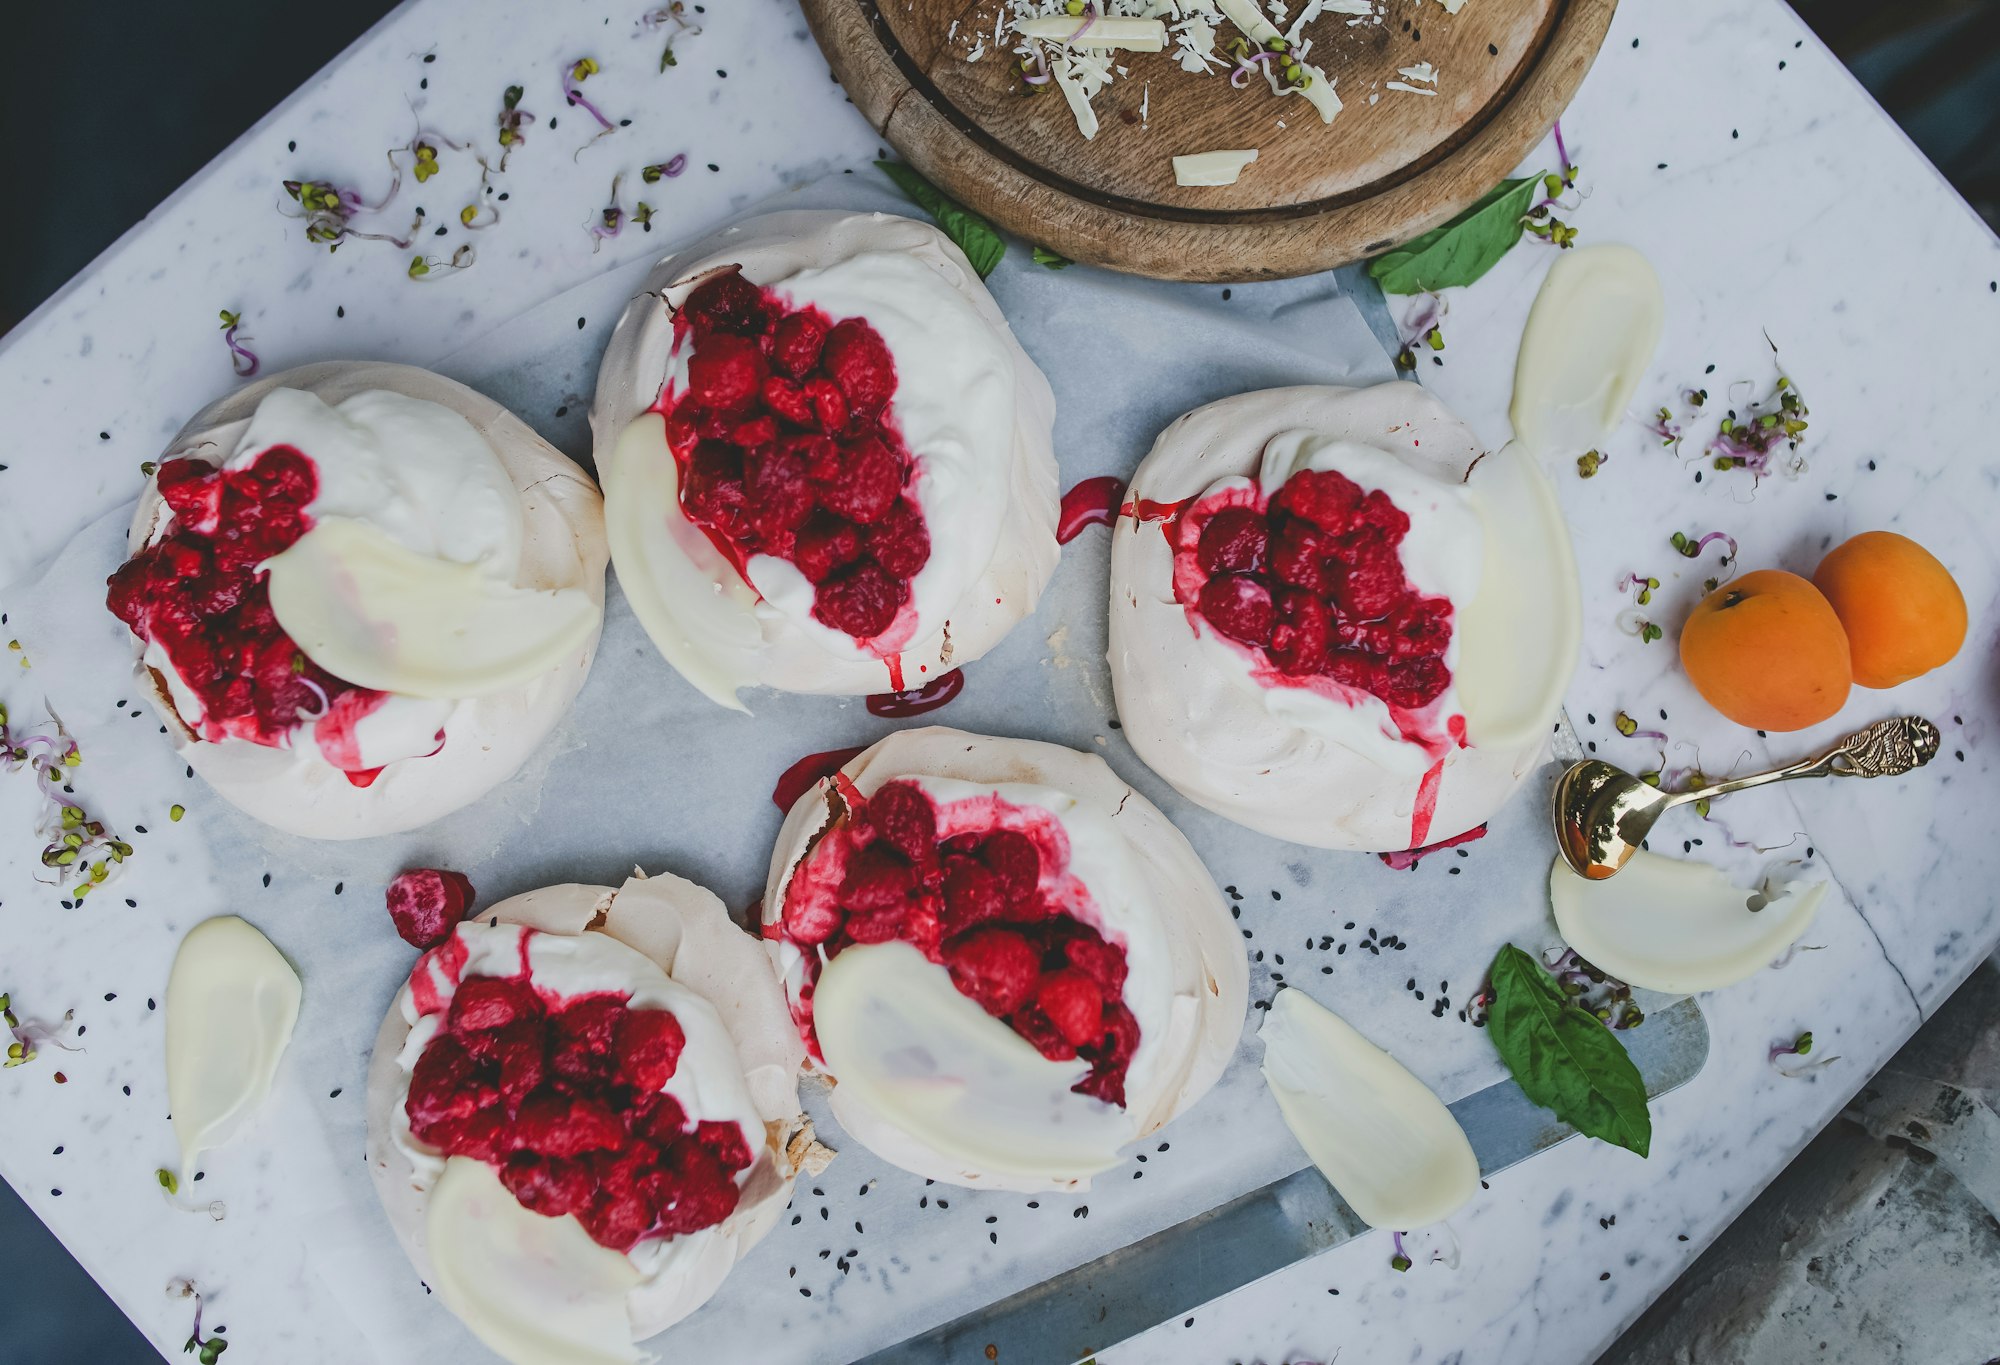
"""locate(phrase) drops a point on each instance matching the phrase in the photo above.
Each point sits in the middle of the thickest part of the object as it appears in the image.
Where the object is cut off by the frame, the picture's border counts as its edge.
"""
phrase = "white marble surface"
(1814, 221)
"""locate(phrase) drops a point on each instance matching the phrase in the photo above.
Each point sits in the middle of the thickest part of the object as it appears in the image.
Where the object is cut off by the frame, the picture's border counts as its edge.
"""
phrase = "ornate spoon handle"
(1884, 749)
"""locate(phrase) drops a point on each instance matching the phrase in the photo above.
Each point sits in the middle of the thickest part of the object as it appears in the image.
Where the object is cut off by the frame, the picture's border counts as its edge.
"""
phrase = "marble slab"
(1714, 135)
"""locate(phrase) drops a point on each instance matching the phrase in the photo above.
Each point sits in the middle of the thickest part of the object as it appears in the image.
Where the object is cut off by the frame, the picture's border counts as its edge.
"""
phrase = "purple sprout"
(610, 220)
(81, 850)
(1240, 77)
(573, 75)
(29, 1037)
(241, 358)
(669, 169)
(1800, 1046)
(1691, 547)
(1596, 992)
(1401, 1260)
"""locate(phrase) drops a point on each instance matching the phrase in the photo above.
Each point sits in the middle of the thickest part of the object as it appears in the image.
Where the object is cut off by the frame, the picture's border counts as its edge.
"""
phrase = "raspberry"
(427, 904)
(1377, 511)
(829, 404)
(484, 1136)
(725, 1142)
(658, 1118)
(1419, 625)
(1298, 556)
(1106, 1080)
(1040, 1031)
(900, 541)
(1016, 861)
(788, 401)
(1412, 683)
(726, 302)
(903, 818)
(922, 929)
(649, 1049)
(796, 342)
(444, 1085)
(1373, 582)
(994, 968)
(549, 1186)
(193, 489)
(1232, 541)
(868, 484)
(1324, 497)
(622, 1211)
(775, 484)
(1099, 961)
(878, 878)
(1299, 641)
(825, 543)
(714, 492)
(811, 923)
(1351, 668)
(519, 1051)
(486, 1003)
(1238, 607)
(586, 1038)
(754, 433)
(973, 893)
(1073, 1003)
(883, 926)
(567, 1125)
(861, 601)
(858, 360)
(726, 372)
(691, 1188)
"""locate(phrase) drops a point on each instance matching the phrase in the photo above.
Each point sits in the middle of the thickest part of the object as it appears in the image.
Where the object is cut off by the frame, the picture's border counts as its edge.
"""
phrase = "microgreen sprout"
(610, 220)
(574, 75)
(1052, 260)
(1667, 428)
(169, 1182)
(1588, 463)
(642, 214)
(82, 852)
(513, 118)
(1629, 728)
(1800, 1046)
(1690, 547)
(1422, 326)
(1400, 1262)
(1749, 441)
(1597, 993)
(427, 160)
(22, 1046)
(206, 1351)
(1631, 622)
(671, 19)
(328, 210)
(1645, 587)
(241, 358)
(429, 268)
(664, 170)
(1541, 220)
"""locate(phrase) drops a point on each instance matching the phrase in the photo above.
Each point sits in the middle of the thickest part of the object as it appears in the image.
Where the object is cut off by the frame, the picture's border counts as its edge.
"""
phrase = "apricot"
(1902, 610)
(1767, 651)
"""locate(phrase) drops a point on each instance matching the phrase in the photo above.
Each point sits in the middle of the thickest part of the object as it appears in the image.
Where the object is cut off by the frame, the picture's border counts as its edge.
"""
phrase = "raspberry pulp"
(199, 594)
(427, 905)
(563, 1098)
(1312, 583)
(983, 902)
(785, 447)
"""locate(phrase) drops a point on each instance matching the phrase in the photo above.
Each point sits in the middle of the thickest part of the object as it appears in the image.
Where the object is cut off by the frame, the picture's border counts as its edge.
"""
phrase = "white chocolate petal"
(1589, 341)
(232, 1000)
(1378, 1134)
(1671, 925)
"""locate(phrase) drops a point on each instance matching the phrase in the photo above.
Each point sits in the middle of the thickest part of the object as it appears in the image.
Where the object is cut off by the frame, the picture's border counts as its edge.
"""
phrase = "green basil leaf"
(1463, 249)
(974, 236)
(1054, 261)
(1564, 1058)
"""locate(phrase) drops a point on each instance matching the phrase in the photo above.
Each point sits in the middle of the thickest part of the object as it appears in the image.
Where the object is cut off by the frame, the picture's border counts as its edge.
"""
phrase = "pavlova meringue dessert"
(360, 595)
(1008, 963)
(582, 1112)
(1336, 619)
(826, 461)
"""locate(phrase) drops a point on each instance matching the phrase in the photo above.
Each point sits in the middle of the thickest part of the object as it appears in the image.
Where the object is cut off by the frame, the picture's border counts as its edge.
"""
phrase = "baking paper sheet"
(645, 771)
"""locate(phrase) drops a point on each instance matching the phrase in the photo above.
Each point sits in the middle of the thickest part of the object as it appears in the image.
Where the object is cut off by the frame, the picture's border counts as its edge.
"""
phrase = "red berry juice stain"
(1426, 804)
(1410, 857)
(800, 777)
(1094, 502)
(918, 700)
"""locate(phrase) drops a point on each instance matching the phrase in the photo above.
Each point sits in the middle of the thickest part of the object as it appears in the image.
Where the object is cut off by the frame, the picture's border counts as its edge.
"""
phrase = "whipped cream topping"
(451, 509)
(1135, 879)
(708, 1083)
(1296, 763)
(972, 409)
(1440, 555)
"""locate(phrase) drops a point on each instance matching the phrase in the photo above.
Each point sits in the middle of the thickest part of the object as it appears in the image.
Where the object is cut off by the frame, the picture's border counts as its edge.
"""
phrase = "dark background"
(105, 110)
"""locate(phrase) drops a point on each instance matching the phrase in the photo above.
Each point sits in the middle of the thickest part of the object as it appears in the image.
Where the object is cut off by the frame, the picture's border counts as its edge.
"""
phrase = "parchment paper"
(646, 771)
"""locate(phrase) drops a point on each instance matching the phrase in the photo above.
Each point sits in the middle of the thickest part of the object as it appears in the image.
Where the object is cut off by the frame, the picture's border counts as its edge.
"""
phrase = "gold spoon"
(1602, 813)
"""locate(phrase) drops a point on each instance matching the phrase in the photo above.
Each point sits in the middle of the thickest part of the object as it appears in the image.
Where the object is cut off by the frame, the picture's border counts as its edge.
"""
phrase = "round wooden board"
(1392, 164)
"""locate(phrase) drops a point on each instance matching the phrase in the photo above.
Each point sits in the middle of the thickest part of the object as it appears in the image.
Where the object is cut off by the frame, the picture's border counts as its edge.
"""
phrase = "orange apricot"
(1767, 651)
(1902, 610)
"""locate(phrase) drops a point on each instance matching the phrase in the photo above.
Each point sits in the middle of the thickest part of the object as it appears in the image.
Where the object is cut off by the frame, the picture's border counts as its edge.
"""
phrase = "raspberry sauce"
(982, 887)
(800, 778)
(1094, 502)
(563, 1096)
(1410, 857)
(786, 446)
(918, 700)
(199, 594)
(1310, 583)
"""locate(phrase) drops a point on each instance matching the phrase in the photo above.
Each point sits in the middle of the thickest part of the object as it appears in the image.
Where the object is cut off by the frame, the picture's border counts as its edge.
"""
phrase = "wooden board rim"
(1169, 242)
